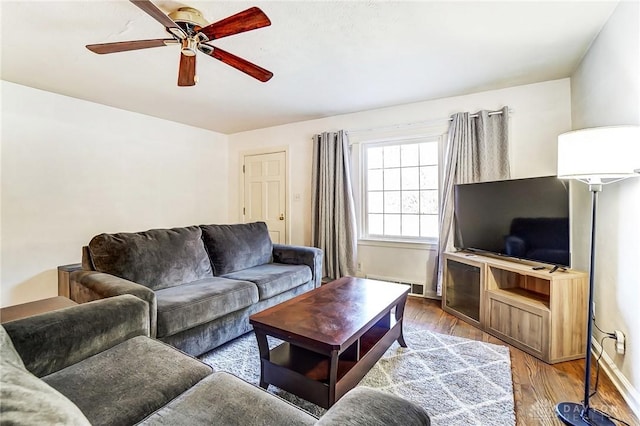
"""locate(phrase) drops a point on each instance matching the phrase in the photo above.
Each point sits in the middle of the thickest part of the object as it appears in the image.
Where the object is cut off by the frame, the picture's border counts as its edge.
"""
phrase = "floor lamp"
(596, 156)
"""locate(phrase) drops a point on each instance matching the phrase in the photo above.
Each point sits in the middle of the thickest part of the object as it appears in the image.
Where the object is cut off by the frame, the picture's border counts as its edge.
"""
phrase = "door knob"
(281, 216)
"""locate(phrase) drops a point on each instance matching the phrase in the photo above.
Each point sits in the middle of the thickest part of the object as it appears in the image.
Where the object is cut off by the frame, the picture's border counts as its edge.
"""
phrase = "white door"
(265, 193)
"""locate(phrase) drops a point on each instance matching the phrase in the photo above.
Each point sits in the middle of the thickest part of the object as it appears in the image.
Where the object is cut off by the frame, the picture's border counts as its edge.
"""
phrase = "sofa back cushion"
(236, 247)
(157, 259)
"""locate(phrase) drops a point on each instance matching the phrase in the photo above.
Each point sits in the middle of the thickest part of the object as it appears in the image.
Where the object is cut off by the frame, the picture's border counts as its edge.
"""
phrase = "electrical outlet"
(359, 267)
(620, 341)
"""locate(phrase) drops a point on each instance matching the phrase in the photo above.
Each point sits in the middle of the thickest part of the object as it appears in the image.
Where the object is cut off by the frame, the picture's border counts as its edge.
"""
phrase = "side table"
(29, 309)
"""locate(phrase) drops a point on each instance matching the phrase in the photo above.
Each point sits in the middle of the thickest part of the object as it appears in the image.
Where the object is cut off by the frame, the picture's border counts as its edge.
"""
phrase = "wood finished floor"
(537, 386)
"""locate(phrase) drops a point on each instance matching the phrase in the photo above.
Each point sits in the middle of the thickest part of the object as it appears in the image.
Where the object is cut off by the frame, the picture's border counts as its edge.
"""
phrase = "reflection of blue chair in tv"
(545, 239)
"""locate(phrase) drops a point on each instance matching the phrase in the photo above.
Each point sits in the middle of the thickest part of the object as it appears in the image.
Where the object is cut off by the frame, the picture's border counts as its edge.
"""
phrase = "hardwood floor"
(537, 386)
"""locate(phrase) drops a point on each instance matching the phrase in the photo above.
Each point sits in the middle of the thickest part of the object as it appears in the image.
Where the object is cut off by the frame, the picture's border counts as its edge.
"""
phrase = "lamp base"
(571, 413)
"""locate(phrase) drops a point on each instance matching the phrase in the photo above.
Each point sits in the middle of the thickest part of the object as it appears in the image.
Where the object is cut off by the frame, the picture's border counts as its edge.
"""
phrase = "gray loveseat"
(94, 364)
(201, 282)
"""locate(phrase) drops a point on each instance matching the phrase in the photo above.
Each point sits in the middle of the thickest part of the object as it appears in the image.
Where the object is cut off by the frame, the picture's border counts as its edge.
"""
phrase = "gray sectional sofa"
(95, 364)
(201, 283)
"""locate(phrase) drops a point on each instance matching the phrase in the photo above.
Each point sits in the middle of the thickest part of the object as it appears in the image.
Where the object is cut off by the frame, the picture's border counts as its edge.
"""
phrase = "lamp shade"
(599, 153)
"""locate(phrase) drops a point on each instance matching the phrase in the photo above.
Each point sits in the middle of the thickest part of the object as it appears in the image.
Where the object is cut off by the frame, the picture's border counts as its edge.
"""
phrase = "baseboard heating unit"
(417, 289)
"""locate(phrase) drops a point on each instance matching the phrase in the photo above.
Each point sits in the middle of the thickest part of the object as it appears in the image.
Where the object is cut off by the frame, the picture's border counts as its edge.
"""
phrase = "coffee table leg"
(263, 347)
(333, 377)
(399, 315)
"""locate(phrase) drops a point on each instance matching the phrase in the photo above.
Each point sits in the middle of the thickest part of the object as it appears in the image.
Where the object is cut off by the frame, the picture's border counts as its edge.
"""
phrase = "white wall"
(605, 91)
(72, 169)
(540, 112)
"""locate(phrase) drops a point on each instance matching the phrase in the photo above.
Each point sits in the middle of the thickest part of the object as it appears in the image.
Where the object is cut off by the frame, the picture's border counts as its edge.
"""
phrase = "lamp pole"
(573, 413)
(595, 189)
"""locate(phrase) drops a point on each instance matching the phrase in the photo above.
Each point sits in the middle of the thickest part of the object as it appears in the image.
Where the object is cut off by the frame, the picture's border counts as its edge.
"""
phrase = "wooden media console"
(540, 312)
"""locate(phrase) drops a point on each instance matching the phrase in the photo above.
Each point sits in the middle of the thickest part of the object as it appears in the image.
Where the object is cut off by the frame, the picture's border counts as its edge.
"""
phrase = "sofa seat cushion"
(224, 399)
(126, 383)
(274, 278)
(157, 259)
(236, 247)
(188, 305)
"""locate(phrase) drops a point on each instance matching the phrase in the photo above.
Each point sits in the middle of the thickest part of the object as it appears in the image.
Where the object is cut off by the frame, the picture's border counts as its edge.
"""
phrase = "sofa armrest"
(85, 286)
(300, 255)
(371, 407)
(54, 340)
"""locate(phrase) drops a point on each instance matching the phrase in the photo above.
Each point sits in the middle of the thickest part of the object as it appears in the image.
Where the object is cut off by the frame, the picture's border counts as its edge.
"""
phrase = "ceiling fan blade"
(187, 71)
(238, 63)
(246, 20)
(151, 10)
(123, 46)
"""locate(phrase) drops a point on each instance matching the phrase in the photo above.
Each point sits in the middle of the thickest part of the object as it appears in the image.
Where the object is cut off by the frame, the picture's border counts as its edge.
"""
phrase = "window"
(401, 190)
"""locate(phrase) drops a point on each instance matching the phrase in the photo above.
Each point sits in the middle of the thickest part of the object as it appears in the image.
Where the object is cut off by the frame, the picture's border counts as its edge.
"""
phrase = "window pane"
(392, 201)
(374, 158)
(376, 224)
(410, 178)
(429, 177)
(410, 225)
(391, 179)
(410, 202)
(428, 153)
(392, 156)
(409, 154)
(402, 189)
(376, 202)
(374, 180)
(429, 225)
(429, 202)
(392, 224)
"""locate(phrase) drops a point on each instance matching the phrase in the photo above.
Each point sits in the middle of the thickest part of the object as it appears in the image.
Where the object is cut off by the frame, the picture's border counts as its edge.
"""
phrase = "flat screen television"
(521, 218)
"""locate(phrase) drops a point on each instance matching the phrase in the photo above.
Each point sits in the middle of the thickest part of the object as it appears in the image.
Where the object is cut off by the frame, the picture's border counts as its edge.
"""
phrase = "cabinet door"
(526, 329)
(462, 289)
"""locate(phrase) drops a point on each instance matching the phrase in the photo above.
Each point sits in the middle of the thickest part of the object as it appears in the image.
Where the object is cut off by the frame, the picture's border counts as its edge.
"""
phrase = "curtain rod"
(476, 115)
(420, 123)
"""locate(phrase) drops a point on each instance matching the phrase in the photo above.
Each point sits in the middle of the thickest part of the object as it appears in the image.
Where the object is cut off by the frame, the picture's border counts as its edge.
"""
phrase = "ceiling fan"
(190, 30)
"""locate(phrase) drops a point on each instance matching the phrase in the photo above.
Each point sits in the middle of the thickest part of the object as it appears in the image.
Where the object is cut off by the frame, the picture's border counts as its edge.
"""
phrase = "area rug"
(457, 381)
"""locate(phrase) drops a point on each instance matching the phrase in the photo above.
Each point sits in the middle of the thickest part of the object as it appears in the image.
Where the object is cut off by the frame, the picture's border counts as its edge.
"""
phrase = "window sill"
(396, 243)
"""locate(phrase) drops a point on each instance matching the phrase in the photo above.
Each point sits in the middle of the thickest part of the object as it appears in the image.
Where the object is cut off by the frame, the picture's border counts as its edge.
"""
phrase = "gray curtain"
(333, 223)
(477, 150)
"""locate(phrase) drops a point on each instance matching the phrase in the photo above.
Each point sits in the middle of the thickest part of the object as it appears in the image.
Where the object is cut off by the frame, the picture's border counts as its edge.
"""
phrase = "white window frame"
(364, 237)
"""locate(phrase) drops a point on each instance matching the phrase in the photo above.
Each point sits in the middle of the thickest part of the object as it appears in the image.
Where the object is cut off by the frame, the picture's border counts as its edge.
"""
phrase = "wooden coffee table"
(332, 335)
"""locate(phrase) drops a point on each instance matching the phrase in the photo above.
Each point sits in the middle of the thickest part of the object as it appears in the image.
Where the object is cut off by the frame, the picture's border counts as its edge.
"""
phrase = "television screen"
(522, 218)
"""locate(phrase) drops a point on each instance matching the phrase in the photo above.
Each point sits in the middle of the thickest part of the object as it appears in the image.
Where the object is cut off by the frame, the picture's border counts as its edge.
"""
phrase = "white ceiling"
(328, 58)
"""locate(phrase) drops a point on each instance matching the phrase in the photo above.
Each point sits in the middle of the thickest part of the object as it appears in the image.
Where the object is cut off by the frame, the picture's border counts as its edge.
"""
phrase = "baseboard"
(626, 389)
(432, 295)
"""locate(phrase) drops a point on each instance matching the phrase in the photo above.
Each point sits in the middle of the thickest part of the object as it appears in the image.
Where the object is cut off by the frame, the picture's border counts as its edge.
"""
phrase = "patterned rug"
(458, 381)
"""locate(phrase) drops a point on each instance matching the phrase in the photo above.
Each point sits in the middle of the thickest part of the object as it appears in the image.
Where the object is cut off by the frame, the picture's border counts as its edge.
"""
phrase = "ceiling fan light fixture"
(189, 46)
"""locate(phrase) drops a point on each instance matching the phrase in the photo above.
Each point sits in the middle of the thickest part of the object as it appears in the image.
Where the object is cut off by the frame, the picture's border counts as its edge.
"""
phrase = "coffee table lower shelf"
(306, 373)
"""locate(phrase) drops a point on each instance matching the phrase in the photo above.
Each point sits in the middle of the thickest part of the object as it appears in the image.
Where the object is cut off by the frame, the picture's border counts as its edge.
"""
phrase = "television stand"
(533, 310)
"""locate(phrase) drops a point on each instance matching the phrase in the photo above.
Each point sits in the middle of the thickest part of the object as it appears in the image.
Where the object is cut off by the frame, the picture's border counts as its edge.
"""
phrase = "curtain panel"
(477, 150)
(333, 223)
